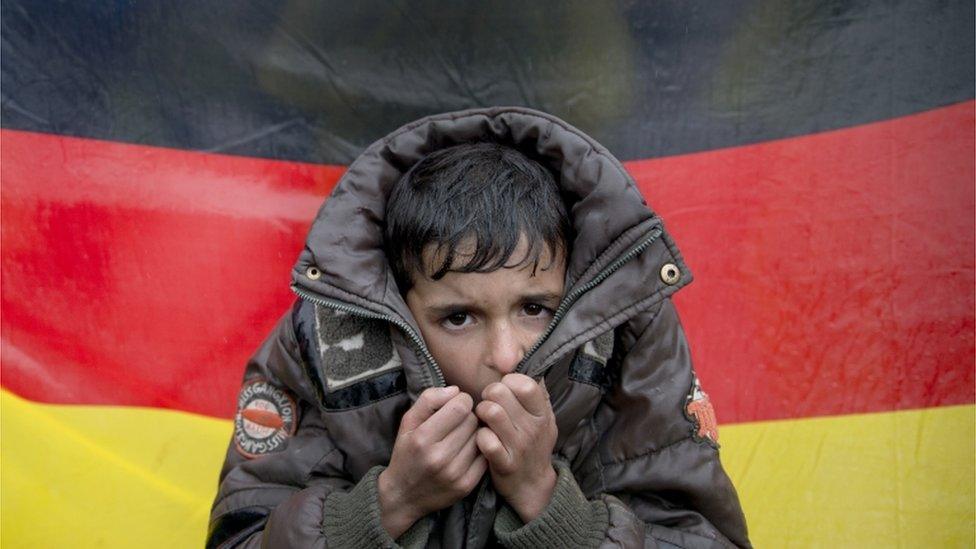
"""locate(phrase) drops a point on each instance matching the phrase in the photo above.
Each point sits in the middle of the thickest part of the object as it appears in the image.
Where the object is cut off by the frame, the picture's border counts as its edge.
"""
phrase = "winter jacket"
(318, 412)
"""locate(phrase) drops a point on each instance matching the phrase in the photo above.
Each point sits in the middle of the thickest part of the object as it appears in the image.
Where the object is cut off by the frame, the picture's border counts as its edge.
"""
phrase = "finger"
(477, 470)
(493, 449)
(529, 393)
(502, 395)
(466, 454)
(498, 420)
(454, 441)
(446, 419)
(427, 404)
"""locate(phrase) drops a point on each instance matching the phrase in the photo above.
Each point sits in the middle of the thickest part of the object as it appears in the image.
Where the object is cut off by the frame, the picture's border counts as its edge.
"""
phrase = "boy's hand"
(518, 442)
(435, 459)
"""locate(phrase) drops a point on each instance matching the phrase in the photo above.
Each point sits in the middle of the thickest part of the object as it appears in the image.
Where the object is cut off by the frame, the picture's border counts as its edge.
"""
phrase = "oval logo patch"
(699, 409)
(265, 419)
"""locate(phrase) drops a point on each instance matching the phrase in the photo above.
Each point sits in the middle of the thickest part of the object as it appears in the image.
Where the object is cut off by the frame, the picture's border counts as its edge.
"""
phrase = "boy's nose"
(506, 349)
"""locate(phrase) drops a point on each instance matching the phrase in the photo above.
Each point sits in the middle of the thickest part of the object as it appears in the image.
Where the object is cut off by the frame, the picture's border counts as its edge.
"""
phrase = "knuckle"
(494, 411)
(417, 440)
(442, 459)
(437, 459)
(465, 401)
(495, 447)
(515, 378)
(482, 408)
(516, 382)
(456, 409)
(411, 444)
(525, 386)
(453, 475)
(407, 417)
(495, 391)
(484, 439)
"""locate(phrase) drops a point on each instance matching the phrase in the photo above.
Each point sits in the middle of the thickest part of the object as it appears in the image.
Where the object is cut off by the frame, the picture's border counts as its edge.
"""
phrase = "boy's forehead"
(434, 256)
(496, 288)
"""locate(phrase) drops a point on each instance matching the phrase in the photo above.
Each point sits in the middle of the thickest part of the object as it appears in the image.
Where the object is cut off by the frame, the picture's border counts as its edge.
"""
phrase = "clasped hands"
(441, 453)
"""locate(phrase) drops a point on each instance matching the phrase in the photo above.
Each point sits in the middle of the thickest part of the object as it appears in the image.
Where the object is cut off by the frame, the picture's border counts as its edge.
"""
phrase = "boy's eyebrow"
(547, 298)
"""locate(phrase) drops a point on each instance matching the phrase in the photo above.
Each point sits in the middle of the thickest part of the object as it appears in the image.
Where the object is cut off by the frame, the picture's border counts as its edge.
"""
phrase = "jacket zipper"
(436, 374)
(349, 308)
(574, 295)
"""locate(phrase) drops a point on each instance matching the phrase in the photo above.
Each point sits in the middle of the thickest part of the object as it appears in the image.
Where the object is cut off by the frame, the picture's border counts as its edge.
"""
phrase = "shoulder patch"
(265, 419)
(352, 348)
(590, 363)
(699, 410)
(600, 347)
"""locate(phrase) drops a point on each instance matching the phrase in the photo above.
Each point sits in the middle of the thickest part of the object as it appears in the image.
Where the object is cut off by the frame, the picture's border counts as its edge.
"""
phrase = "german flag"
(161, 163)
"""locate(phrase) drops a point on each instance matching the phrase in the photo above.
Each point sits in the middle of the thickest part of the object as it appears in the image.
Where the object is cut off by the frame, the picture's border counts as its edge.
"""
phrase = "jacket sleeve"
(649, 480)
(296, 494)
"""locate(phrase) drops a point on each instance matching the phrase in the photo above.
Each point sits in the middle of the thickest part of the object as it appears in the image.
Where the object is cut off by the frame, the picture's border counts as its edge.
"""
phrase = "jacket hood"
(344, 259)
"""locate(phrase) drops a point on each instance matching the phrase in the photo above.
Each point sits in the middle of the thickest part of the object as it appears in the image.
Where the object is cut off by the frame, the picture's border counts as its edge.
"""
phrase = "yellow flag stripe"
(105, 476)
(893, 479)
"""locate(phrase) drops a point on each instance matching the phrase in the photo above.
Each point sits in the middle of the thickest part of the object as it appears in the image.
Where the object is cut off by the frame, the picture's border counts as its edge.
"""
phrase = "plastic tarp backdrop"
(161, 163)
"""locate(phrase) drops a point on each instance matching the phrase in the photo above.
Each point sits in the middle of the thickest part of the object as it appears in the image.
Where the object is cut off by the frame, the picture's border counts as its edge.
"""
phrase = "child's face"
(478, 326)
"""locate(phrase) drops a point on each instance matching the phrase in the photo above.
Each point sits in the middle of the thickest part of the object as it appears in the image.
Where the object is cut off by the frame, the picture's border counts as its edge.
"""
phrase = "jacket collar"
(344, 248)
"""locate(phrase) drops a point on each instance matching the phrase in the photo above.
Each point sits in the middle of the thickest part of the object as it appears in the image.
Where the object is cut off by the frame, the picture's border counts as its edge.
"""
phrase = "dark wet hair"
(490, 193)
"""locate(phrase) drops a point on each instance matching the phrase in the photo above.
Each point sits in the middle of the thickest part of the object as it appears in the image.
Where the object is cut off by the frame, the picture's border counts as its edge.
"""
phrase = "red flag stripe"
(834, 272)
(121, 285)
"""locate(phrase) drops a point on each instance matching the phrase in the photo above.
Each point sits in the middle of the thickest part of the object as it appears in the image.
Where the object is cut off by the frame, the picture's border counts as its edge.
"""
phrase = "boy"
(483, 353)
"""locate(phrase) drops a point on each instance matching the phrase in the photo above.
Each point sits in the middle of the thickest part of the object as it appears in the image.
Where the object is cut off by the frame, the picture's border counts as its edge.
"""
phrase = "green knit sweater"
(352, 519)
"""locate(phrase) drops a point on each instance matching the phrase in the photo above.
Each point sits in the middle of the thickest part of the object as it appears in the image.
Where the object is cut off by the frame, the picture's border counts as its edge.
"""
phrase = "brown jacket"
(322, 397)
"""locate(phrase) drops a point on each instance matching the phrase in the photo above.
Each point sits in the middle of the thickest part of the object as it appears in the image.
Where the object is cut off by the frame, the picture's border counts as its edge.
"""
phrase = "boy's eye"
(457, 320)
(534, 309)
